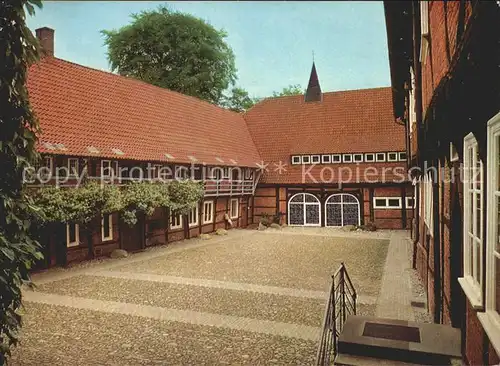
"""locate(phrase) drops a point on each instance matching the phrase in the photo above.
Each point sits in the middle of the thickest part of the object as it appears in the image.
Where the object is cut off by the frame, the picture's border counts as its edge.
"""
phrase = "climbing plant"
(18, 137)
(81, 204)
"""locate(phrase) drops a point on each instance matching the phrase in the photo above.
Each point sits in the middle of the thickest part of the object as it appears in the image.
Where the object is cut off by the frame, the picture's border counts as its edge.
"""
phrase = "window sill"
(472, 293)
(106, 240)
(193, 225)
(175, 228)
(491, 328)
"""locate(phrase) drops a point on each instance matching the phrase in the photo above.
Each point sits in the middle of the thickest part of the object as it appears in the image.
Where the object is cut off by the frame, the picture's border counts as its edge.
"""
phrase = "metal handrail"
(341, 303)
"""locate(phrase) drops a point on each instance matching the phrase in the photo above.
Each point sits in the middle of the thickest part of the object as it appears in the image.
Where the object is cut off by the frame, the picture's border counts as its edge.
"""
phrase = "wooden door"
(132, 237)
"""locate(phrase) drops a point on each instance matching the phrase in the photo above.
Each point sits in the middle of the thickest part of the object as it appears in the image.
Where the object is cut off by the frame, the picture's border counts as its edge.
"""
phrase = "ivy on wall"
(81, 204)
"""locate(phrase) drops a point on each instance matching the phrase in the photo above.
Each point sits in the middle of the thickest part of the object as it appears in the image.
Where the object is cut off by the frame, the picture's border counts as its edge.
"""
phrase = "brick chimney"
(45, 36)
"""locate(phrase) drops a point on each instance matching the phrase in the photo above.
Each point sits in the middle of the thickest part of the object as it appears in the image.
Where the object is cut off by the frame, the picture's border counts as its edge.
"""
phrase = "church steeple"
(313, 92)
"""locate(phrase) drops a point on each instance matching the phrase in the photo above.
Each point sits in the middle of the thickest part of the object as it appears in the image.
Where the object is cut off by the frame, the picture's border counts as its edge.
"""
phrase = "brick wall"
(443, 27)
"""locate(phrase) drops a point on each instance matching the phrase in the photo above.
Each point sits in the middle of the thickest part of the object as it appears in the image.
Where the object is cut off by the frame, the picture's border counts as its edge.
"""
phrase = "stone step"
(399, 340)
(354, 360)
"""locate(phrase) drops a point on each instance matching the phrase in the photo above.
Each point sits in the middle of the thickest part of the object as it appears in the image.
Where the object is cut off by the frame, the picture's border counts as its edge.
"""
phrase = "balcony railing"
(213, 188)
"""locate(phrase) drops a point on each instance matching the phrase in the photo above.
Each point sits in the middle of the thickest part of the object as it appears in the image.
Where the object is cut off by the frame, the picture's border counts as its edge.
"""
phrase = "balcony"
(212, 187)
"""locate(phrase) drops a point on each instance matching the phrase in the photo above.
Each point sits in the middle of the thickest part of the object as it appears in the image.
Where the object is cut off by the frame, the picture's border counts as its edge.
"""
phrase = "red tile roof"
(352, 121)
(81, 107)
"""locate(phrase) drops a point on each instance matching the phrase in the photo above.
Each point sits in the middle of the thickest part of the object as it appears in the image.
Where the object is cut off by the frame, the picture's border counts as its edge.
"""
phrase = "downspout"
(437, 245)
(418, 111)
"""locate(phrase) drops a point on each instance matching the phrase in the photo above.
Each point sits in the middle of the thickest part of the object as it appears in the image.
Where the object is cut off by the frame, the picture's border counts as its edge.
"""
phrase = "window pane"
(471, 257)
(334, 214)
(471, 213)
(478, 263)
(296, 214)
(72, 233)
(478, 170)
(393, 202)
(298, 198)
(478, 216)
(106, 225)
(380, 202)
(311, 198)
(312, 214)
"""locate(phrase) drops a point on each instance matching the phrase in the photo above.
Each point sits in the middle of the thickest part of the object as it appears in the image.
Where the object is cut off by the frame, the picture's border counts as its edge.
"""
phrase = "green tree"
(173, 50)
(238, 100)
(19, 128)
(289, 90)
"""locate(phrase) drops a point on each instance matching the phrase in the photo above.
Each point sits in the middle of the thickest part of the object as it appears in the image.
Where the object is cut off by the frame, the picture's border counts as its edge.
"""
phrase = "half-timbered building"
(319, 159)
(333, 159)
(444, 58)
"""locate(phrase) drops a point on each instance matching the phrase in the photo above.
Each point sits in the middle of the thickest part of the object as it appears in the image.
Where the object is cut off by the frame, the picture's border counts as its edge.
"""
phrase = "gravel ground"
(213, 300)
(296, 261)
(81, 337)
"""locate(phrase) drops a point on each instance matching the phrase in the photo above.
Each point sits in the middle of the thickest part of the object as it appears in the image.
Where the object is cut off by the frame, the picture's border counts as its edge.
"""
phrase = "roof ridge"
(329, 93)
(110, 73)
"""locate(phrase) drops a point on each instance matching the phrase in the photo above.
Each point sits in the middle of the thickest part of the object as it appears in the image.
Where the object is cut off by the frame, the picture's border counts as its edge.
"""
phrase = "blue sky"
(272, 41)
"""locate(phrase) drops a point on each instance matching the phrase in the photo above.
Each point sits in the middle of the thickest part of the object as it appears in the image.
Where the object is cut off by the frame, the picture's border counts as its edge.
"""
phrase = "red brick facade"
(452, 86)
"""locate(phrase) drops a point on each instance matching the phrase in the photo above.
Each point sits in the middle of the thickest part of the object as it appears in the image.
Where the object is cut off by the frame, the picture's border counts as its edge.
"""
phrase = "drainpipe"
(418, 109)
(437, 245)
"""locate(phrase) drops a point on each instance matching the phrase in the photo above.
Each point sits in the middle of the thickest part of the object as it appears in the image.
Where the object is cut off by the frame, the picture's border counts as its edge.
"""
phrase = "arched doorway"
(342, 209)
(304, 209)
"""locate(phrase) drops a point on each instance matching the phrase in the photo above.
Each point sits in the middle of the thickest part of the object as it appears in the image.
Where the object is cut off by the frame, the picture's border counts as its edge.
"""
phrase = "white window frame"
(110, 224)
(306, 159)
(77, 236)
(208, 216)
(48, 171)
(109, 169)
(326, 159)
(315, 159)
(196, 212)
(372, 160)
(336, 156)
(347, 155)
(490, 319)
(296, 160)
(408, 202)
(304, 204)
(424, 30)
(386, 205)
(428, 202)
(175, 225)
(395, 158)
(248, 173)
(163, 172)
(402, 156)
(381, 160)
(70, 173)
(360, 156)
(225, 173)
(232, 214)
(471, 282)
(411, 103)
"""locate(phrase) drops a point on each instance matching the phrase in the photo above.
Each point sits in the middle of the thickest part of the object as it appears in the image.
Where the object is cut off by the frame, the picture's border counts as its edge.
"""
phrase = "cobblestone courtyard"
(246, 298)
